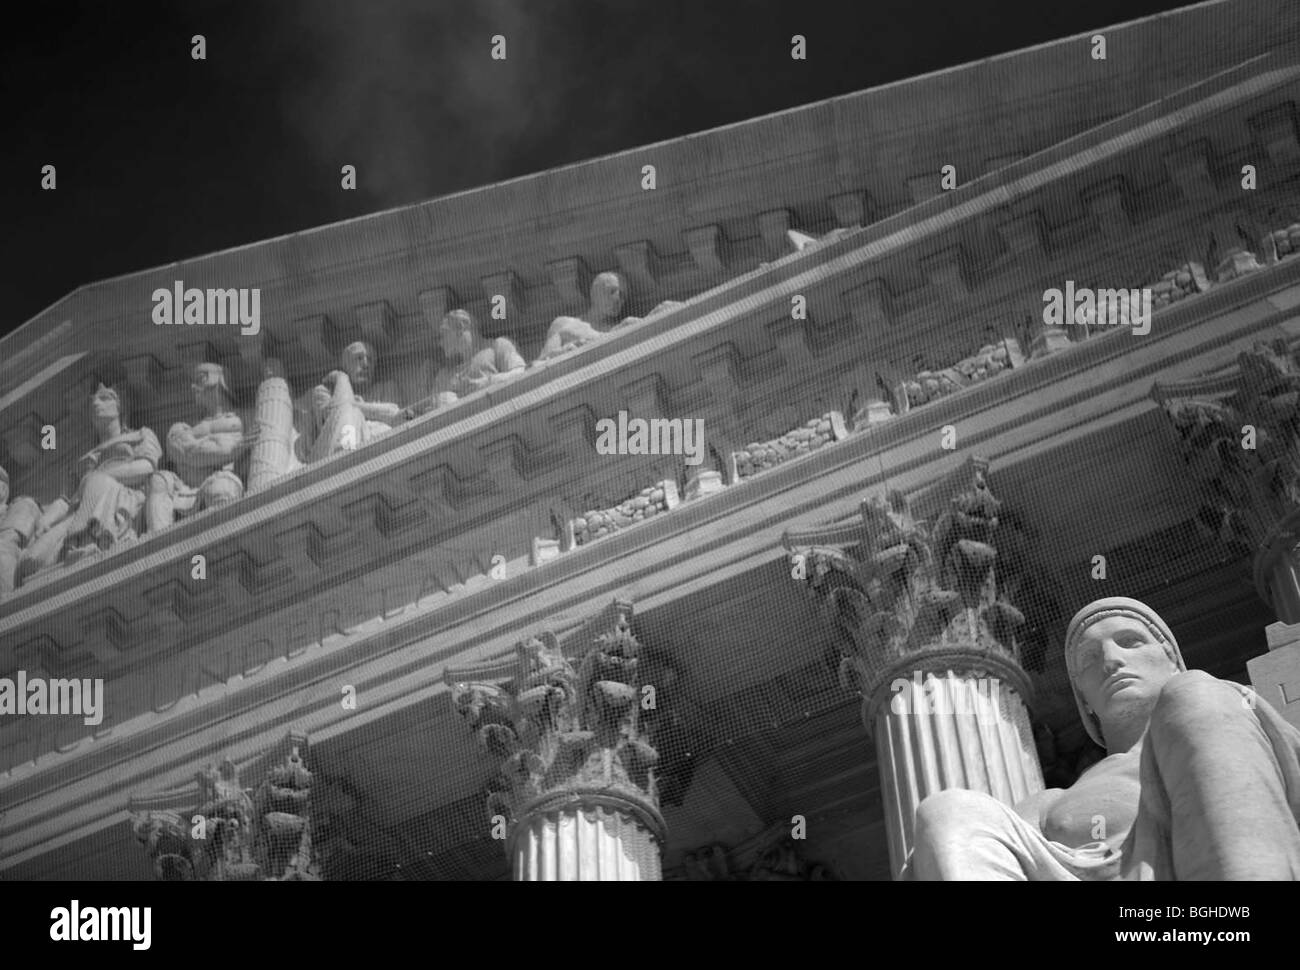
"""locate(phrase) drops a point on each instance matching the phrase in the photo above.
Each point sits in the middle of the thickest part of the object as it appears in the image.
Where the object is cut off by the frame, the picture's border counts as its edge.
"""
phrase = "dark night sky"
(161, 157)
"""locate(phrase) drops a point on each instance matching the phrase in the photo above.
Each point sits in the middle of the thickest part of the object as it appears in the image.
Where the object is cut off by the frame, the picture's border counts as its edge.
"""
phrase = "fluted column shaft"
(584, 843)
(950, 721)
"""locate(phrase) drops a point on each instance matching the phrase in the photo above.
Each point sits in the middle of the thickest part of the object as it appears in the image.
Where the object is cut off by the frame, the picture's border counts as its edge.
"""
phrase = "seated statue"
(204, 455)
(104, 494)
(344, 419)
(18, 521)
(1201, 778)
(470, 363)
(569, 333)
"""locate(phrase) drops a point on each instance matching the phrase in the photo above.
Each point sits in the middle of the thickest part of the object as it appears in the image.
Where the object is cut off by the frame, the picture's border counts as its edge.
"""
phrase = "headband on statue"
(1102, 609)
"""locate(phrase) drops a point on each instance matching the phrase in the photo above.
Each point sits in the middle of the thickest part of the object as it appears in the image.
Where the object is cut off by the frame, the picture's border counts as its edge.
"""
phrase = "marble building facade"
(367, 599)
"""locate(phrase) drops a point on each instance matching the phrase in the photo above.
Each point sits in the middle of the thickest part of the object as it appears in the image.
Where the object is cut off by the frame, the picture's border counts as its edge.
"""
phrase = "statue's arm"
(554, 344)
(136, 472)
(506, 361)
(211, 444)
(565, 334)
(381, 411)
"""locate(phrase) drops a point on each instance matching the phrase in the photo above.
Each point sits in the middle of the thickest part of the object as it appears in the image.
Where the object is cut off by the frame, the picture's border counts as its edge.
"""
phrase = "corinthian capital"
(219, 830)
(574, 726)
(904, 590)
(1240, 435)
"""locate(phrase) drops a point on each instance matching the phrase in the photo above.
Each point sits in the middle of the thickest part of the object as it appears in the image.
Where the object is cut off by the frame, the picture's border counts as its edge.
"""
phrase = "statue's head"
(608, 292)
(1119, 654)
(358, 362)
(105, 404)
(456, 335)
(210, 383)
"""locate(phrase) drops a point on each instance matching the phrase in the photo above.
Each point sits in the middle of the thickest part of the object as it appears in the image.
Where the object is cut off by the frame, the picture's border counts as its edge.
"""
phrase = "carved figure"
(18, 521)
(344, 419)
(204, 455)
(1199, 780)
(471, 363)
(104, 494)
(608, 292)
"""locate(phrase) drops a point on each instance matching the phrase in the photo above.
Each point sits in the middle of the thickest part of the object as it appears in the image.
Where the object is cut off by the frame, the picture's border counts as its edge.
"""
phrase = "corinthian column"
(1240, 433)
(578, 791)
(931, 645)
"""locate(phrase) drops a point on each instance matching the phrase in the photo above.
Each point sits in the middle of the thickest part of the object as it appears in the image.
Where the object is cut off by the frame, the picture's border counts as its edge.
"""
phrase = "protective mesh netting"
(759, 726)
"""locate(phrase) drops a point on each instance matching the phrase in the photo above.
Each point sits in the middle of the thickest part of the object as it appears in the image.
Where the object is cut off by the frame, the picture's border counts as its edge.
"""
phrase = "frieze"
(646, 504)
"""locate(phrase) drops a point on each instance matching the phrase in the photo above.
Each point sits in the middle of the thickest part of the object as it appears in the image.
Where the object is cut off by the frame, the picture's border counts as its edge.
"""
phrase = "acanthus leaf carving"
(1240, 437)
(568, 728)
(218, 830)
(899, 587)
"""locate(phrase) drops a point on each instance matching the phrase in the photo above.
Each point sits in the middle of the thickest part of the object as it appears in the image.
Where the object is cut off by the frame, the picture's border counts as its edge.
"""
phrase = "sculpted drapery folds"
(1198, 783)
(344, 418)
(18, 520)
(105, 494)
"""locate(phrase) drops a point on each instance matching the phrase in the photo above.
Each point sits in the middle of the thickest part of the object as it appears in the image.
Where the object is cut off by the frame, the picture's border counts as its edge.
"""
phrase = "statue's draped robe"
(1251, 813)
(336, 413)
(103, 511)
(17, 527)
(1258, 742)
